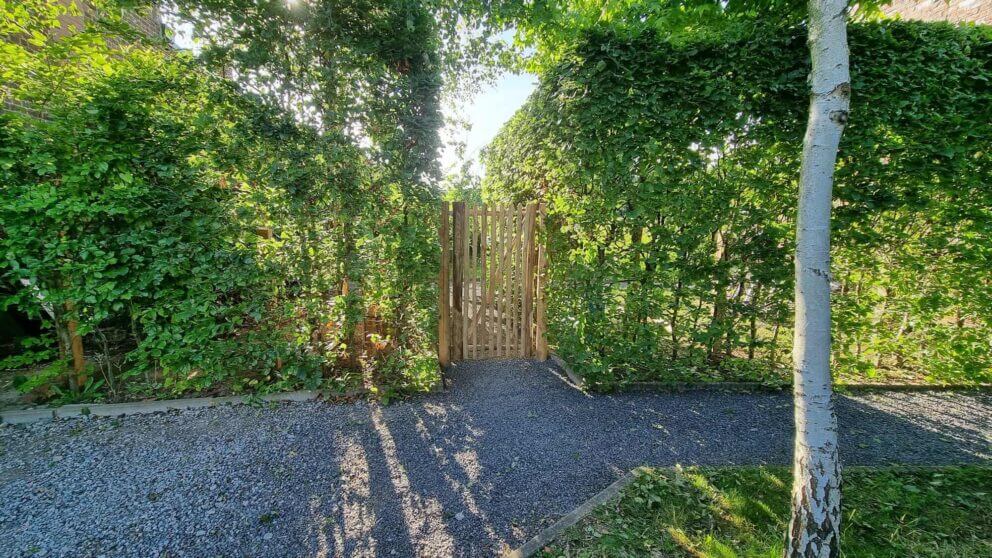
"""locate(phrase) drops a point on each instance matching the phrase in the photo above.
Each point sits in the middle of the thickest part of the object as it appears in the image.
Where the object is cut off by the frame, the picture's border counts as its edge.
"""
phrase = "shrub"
(670, 169)
(196, 236)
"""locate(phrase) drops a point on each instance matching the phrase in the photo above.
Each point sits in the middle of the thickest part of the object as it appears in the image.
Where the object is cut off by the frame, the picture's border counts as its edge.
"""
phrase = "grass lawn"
(742, 512)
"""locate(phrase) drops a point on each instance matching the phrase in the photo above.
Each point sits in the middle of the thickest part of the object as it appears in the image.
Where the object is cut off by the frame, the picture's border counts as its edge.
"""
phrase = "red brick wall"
(978, 11)
(148, 21)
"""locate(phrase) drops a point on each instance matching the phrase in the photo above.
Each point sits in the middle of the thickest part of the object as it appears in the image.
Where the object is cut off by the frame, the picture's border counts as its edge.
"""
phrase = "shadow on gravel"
(505, 451)
(510, 448)
(928, 428)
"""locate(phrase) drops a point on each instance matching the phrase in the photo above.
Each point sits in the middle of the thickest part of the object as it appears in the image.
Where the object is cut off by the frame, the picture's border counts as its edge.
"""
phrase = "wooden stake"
(492, 286)
(457, 284)
(76, 347)
(541, 326)
(527, 283)
(482, 321)
(444, 291)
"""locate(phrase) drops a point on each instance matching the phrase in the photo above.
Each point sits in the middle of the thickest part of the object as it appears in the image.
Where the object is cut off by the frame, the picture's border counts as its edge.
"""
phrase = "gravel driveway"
(504, 452)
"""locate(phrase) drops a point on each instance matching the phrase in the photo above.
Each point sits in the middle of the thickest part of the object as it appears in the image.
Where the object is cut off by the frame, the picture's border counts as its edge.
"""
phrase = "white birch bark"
(814, 529)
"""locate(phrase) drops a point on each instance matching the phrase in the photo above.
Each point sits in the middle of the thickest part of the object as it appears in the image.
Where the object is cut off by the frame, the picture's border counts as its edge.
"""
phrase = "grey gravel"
(504, 452)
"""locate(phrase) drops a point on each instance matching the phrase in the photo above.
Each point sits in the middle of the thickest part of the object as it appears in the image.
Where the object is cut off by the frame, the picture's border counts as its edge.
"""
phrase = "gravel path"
(503, 453)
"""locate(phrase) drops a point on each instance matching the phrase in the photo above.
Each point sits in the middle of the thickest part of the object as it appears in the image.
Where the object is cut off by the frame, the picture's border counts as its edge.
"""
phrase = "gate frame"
(452, 327)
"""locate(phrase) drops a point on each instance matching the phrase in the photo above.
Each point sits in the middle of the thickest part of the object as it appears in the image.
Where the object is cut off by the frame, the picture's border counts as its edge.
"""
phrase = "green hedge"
(143, 212)
(670, 172)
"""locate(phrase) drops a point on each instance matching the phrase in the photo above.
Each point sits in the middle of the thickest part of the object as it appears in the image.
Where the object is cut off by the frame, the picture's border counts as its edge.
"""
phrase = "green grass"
(743, 511)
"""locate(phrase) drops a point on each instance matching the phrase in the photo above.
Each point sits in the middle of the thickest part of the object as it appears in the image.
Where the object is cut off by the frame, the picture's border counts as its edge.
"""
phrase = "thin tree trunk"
(814, 528)
(774, 352)
(673, 323)
(714, 353)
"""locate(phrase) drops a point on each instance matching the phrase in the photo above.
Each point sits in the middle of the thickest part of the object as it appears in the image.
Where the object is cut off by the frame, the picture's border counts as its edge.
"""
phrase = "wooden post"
(484, 281)
(500, 260)
(468, 299)
(527, 319)
(76, 346)
(516, 224)
(444, 291)
(541, 328)
(457, 284)
(490, 302)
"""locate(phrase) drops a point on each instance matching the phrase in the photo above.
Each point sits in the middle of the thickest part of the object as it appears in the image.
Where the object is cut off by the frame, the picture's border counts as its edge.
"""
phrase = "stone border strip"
(678, 387)
(546, 536)
(41, 414)
(758, 387)
(874, 388)
(44, 414)
(572, 376)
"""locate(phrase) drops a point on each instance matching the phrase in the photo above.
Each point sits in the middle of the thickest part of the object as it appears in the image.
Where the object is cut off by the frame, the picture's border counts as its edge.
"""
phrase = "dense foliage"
(670, 167)
(201, 237)
(742, 511)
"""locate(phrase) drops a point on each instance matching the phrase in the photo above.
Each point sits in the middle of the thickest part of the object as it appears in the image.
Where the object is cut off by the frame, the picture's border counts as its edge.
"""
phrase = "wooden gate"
(492, 278)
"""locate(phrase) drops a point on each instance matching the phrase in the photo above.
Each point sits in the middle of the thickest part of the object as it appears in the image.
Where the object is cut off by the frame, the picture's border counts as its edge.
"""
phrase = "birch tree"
(814, 528)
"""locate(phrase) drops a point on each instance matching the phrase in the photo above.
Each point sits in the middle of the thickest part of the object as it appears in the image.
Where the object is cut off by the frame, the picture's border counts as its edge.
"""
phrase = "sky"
(485, 113)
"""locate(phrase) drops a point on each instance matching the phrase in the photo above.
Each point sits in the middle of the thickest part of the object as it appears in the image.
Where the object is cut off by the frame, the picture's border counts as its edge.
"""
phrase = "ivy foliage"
(670, 169)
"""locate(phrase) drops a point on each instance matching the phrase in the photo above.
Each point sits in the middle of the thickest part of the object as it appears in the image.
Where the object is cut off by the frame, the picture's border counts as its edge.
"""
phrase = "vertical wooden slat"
(469, 295)
(484, 255)
(515, 283)
(470, 286)
(458, 282)
(479, 311)
(492, 284)
(508, 279)
(480, 321)
(541, 326)
(511, 232)
(499, 217)
(476, 285)
(527, 283)
(444, 291)
(466, 284)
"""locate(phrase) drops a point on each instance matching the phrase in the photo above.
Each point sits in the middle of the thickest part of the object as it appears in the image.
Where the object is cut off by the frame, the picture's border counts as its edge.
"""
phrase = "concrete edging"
(677, 387)
(44, 414)
(572, 376)
(26, 416)
(571, 518)
(758, 387)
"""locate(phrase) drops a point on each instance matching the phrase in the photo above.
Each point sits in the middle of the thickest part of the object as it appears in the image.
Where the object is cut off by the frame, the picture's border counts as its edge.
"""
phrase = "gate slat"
(470, 284)
(492, 275)
(491, 281)
(518, 283)
(458, 280)
(541, 326)
(444, 292)
(500, 305)
(527, 283)
(476, 286)
(465, 280)
(484, 255)
(511, 335)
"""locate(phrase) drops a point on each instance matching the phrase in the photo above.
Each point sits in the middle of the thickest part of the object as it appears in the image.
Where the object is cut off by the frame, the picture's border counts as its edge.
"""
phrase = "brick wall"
(147, 21)
(978, 11)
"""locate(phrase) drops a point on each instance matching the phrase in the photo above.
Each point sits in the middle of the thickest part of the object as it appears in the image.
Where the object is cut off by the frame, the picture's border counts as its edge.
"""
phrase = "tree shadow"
(509, 448)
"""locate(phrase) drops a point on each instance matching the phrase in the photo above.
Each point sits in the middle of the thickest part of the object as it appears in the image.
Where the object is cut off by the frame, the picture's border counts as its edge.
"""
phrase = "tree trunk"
(814, 529)
(714, 353)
